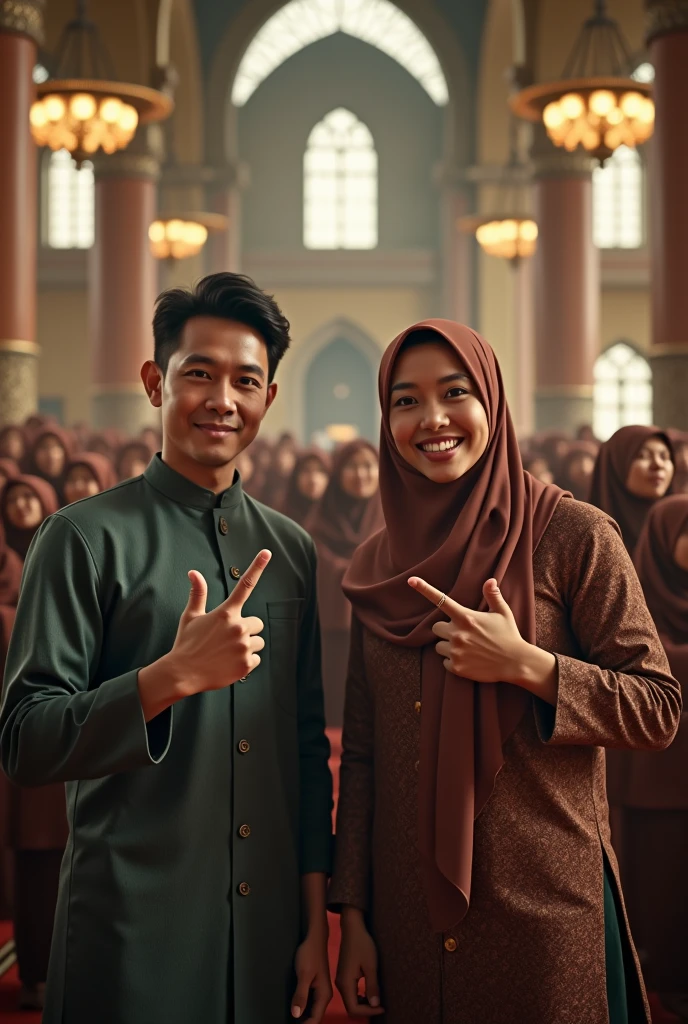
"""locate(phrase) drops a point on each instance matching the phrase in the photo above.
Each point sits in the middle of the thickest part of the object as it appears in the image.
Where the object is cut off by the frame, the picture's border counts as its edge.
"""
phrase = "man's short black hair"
(228, 296)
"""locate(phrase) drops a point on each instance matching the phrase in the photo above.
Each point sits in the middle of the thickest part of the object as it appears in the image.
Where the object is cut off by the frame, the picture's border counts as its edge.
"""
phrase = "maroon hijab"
(456, 536)
(8, 467)
(665, 583)
(100, 466)
(342, 522)
(609, 491)
(65, 439)
(19, 540)
(576, 450)
(296, 505)
(10, 571)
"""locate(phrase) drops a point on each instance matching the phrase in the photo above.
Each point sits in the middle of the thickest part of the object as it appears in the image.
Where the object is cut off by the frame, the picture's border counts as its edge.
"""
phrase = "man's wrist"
(162, 684)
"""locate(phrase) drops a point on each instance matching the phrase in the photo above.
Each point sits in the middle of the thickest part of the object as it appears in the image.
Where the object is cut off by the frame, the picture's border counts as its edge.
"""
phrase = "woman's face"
(12, 445)
(581, 468)
(312, 479)
(23, 508)
(652, 470)
(285, 457)
(436, 417)
(132, 465)
(244, 463)
(681, 552)
(360, 475)
(539, 468)
(50, 456)
(80, 483)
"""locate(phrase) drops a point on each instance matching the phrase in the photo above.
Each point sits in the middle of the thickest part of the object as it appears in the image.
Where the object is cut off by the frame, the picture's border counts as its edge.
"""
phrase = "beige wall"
(64, 367)
(625, 315)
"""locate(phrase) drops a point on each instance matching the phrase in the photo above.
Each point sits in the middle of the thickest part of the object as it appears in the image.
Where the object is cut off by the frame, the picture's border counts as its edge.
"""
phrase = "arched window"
(70, 203)
(618, 201)
(302, 22)
(623, 390)
(340, 184)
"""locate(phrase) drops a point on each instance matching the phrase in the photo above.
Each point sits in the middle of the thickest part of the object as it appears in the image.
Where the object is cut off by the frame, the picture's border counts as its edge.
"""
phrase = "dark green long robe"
(151, 923)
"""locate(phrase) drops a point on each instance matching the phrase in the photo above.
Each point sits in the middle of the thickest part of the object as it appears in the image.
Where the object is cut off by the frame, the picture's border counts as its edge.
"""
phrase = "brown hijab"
(609, 491)
(19, 540)
(664, 582)
(100, 466)
(456, 536)
(8, 467)
(340, 522)
(296, 505)
(10, 571)
(576, 450)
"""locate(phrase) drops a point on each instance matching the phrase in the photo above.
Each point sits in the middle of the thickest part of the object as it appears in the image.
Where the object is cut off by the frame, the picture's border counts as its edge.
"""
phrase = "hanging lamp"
(82, 107)
(596, 103)
(183, 235)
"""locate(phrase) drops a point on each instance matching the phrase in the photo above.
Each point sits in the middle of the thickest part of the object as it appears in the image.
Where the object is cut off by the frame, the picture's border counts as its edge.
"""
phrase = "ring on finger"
(441, 600)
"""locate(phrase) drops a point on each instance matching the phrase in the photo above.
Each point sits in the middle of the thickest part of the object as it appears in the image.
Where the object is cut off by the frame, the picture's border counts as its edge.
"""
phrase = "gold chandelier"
(596, 104)
(82, 108)
(510, 233)
(178, 238)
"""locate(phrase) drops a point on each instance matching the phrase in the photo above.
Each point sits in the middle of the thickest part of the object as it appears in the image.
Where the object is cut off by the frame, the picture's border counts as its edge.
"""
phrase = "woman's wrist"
(535, 670)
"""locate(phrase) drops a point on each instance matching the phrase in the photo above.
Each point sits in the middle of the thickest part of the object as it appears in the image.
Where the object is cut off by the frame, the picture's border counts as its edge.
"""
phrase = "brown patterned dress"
(531, 949)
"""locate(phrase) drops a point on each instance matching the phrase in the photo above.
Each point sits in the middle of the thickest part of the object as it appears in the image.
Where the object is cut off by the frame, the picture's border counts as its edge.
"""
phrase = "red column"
(21, 27)
(567, 290)
(668, 46)
(123, 287)
(523, 410)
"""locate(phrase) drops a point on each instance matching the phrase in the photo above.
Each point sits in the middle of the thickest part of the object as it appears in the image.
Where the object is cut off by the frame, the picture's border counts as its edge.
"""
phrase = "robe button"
(450, 944)
(416, 707)
(245, 831)
(243, 746)
(234, 572)
(224, 525)
(244, 889)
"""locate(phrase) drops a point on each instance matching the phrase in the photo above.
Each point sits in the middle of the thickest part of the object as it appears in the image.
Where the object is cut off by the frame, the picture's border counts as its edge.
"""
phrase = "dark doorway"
(340, 389)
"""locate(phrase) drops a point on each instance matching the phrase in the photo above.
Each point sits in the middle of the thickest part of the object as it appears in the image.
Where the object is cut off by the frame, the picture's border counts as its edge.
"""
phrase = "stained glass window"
(302, 22)
(340, 184)
(70, 200)
(623, 390)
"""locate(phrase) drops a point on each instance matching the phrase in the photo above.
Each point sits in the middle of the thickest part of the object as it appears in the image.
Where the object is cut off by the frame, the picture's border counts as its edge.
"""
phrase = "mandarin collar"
(179, 488)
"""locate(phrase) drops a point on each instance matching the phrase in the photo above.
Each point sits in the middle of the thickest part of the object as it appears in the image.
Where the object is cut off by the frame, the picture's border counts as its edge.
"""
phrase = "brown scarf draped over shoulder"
(609, 491)
(456, 536)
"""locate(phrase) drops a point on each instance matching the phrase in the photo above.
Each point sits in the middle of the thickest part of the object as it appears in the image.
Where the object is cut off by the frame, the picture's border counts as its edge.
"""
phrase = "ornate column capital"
(665, 16)
(24, 17)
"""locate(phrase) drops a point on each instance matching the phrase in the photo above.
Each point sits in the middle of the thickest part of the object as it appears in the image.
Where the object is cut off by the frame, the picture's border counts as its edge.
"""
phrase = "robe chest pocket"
(284, 620)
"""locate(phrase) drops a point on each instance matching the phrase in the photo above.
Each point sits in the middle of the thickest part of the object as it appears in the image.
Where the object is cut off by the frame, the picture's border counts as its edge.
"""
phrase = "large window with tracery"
(623, 389)
(70, 203)
(340, 184)
(301, 22)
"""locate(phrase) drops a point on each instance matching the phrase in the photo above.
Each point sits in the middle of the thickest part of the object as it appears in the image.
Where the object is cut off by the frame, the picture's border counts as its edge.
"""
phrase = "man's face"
(215, 392)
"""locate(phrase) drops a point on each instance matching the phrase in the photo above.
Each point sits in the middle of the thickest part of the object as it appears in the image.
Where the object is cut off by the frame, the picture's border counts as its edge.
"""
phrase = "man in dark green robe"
(193, 885)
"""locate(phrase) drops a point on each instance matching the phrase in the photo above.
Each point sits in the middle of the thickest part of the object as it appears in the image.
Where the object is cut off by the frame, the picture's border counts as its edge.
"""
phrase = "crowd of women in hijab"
(601, 581)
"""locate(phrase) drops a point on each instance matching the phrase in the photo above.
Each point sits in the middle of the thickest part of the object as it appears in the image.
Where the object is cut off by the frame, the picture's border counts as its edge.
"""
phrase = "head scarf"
(65, 439)
(99, 465)
(609, 491)
(8, 467)
(10, 571)
(296, 505)
(340, 521)
(456, 536)
(19, 540)
(664, 582)
(260, 452)
(13, 428)
(576, 449)
(139, 448)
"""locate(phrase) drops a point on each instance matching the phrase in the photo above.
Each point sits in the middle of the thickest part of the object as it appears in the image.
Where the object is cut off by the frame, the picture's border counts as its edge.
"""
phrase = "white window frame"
(79, 228)
(607, 420)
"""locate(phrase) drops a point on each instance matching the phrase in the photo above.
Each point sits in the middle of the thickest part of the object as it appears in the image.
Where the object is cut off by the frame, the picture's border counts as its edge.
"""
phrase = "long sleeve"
(353, 833)
(620, 693)
(56, 724)
(314, 747)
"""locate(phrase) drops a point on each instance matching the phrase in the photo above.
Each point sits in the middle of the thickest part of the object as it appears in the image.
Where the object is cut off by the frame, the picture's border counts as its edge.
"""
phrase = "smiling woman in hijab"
(307, 484)
(487, 673)
(654, 787)
(634, 469)
(24, 503)
(88, 474)
(348, 514)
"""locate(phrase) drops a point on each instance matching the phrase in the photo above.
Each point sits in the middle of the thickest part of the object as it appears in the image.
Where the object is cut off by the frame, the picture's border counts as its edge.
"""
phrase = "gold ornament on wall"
(596, 104)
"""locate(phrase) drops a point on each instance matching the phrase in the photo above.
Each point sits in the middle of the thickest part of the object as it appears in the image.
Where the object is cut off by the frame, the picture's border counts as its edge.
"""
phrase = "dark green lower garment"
(617, 999)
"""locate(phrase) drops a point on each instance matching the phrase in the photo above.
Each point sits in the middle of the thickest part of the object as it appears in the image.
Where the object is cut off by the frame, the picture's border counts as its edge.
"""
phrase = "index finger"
(246, 584)
(434, 596)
